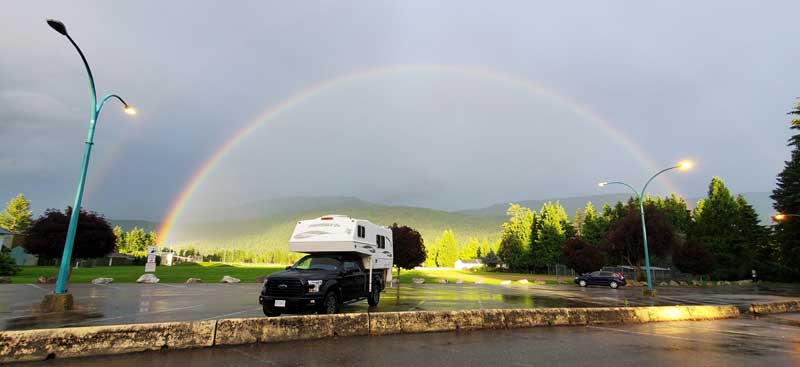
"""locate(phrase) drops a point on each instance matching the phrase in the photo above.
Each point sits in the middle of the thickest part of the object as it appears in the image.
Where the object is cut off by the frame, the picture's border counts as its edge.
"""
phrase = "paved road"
(142, 303)
(736, 342)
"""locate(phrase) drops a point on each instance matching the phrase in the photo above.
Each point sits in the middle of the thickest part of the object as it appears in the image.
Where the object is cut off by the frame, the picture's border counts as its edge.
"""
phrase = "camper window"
(380, 241)
(362, 232)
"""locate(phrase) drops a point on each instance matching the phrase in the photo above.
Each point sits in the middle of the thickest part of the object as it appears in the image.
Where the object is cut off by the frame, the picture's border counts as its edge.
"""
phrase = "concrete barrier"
(17, 346)
(33, 345)
(775, 307)
(278, 329)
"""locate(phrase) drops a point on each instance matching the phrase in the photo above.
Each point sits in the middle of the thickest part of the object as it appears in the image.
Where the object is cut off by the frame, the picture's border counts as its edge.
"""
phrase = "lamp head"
(129, 110)
(58, 26)
(685, 165)
(602, 184)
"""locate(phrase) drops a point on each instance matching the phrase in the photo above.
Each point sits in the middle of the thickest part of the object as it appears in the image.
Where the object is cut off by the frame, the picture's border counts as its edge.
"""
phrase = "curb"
(775, 307)
(35, 345)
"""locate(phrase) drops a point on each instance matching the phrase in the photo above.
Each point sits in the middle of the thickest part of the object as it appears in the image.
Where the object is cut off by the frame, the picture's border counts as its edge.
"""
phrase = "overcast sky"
(710, 82)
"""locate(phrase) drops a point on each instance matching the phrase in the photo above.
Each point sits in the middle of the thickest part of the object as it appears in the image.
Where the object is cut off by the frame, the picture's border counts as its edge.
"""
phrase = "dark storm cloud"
(710, 80)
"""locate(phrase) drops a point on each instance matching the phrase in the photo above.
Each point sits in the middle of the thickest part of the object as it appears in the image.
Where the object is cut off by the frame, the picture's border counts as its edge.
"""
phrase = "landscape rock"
(46, 280)
(745, 282)
(663, 284)
(673, 283)
(682, 283)
(147, 278)
(5, 280)
(523, 281)
(697, 284)
(230, 280)
(260, 280)
(459, 281)
(478, 281)
(418, 281)
(719, 282)
(633, 283)
(727, 283)
(102, 280)
(505, 282)
(394, 283)
(194, 280)
(540, 282)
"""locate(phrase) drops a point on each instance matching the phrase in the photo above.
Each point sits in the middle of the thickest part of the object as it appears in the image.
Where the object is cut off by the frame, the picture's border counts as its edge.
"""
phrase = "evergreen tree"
(787, 201)
(549, 234)
(119, 233)
(594, 226)
(471, 250)
(447, 249)
(515, 238)
(578, 222)
(17, 217)
(717, 223)
(757, 248)
(676, 212)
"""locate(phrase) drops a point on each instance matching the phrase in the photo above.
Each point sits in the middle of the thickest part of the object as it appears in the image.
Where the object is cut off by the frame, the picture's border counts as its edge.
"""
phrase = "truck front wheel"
(331, 303)
(268, 312)
(375, 296)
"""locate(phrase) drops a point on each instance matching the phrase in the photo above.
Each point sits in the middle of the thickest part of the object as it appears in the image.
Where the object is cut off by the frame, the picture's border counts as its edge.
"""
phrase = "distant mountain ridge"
(271, 221)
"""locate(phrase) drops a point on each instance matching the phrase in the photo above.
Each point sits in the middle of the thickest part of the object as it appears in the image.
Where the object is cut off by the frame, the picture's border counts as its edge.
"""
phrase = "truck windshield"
(317, 263)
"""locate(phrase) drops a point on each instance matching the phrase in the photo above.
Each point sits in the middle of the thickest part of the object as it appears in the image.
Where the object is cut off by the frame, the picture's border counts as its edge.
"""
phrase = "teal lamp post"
(685, 165)
(63, 272)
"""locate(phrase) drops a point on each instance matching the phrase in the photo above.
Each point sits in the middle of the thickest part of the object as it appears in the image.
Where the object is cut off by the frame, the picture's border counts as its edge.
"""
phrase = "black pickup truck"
(320, 282)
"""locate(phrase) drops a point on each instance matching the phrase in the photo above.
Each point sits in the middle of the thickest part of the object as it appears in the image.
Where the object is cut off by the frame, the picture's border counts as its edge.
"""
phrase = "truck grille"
(285, 287)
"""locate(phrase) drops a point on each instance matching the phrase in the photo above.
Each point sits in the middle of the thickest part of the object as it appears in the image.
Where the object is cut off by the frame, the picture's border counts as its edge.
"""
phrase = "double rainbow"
(179, 204)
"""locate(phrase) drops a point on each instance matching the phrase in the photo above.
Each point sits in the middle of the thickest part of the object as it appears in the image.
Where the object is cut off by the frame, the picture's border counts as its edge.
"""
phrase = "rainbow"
(178, 205)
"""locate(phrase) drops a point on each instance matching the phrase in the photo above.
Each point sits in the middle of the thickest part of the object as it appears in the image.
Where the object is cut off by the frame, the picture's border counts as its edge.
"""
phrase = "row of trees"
(445, 250)
(135, 241)
(722, 236)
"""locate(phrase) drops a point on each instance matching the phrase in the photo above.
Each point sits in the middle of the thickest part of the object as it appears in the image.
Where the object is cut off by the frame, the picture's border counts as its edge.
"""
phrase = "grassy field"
(209, 272)
(213, 272)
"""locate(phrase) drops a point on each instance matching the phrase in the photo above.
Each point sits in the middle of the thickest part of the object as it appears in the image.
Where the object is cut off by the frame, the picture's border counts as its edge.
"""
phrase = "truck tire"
(330, 304)
(268, 312)
(375, 296)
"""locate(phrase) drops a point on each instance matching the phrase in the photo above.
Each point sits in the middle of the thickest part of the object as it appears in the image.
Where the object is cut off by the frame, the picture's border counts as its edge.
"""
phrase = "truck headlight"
(314, 286)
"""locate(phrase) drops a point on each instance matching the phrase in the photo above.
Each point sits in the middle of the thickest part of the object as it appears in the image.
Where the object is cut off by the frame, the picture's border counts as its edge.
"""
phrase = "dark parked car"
(605, 278)
(319, 282)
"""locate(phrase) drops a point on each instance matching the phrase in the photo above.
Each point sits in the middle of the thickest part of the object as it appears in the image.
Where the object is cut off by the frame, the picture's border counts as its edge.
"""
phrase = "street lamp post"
(685, 165)
(63, 272)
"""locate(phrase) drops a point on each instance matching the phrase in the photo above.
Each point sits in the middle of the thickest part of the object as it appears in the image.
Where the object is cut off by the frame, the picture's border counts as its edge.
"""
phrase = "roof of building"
(475, 261)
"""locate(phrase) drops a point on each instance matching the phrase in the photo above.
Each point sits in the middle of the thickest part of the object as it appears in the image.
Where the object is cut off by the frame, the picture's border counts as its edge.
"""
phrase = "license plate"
(280, 303)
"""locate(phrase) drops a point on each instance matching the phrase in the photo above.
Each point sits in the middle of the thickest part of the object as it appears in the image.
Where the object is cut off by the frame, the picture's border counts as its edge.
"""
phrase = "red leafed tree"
(582, 256)
(409, 248)
(625, 238)
(94, 237)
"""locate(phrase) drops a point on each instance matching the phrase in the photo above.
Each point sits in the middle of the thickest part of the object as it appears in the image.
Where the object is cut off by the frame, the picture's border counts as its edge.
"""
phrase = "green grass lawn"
(213, 272)
(209, 272)
(434, 275)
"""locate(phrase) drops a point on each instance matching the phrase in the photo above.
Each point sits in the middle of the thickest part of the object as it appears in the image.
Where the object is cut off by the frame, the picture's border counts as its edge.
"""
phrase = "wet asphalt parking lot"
(144, 303)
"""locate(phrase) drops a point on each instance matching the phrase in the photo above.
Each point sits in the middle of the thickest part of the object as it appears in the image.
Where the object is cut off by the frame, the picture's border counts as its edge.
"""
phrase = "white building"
(468, 264)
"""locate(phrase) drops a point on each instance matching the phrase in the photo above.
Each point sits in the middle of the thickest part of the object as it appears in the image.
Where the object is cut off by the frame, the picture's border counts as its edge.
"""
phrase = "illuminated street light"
(63, 273)
(780, 217)
(684, 165)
